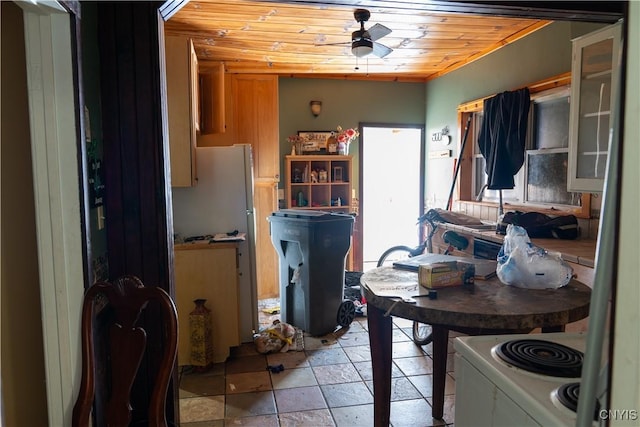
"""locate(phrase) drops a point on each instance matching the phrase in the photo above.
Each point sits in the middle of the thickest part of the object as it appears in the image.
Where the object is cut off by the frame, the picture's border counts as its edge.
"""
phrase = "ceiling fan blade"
(333, 44)
(378, 31)
(381, 50)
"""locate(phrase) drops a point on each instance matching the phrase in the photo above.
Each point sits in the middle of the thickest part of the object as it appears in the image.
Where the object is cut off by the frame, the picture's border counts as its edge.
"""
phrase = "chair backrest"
(118, 306)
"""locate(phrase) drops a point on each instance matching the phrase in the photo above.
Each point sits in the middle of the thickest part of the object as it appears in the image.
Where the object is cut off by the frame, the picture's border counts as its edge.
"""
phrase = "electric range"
(518, 380)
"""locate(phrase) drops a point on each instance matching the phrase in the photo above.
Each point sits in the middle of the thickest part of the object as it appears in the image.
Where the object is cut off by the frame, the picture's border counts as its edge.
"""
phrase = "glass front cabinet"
(594, 78)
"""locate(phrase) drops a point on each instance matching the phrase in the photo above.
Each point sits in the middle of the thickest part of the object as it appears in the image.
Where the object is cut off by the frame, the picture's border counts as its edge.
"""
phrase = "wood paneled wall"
(137, 206)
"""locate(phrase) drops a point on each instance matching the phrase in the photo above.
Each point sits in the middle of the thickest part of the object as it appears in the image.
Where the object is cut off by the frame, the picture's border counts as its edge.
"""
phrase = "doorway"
(391, 187)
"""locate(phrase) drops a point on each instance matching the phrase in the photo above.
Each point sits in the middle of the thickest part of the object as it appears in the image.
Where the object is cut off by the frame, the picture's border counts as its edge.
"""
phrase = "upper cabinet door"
(594, 77)
(256, 122)
(194, 89)
(212, 102)
(182, 108)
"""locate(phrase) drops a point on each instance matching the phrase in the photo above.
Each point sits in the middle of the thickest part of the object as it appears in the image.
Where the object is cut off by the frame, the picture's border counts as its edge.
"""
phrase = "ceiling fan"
(363, 42)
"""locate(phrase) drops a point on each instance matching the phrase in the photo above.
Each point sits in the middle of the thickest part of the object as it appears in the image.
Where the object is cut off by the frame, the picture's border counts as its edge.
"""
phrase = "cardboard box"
(445, 274)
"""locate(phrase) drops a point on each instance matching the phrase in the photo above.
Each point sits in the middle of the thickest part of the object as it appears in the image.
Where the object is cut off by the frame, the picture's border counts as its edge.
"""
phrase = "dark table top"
(487, 304)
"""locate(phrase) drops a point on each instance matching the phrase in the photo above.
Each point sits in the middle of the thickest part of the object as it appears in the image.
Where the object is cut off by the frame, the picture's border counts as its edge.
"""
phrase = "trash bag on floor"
(525, 265)
(279, 337)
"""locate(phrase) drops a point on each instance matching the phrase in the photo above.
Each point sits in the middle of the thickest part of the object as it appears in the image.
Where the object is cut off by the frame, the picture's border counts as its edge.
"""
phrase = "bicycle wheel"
(394, 253)
(421, 332)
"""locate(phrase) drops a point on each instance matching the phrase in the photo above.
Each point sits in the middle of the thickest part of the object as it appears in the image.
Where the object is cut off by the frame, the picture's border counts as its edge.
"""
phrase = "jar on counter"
(332, 145)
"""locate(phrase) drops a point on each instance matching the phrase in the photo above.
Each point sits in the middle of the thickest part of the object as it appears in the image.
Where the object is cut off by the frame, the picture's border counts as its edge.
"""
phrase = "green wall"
(545, 53)
(345, 103)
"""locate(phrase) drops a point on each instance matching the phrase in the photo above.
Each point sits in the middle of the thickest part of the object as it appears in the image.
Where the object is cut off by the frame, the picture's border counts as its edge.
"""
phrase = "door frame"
(358, 229)
(57, 135)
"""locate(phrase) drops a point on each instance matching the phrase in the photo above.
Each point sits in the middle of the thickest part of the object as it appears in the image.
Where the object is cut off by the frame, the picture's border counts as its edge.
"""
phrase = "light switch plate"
(100, 214)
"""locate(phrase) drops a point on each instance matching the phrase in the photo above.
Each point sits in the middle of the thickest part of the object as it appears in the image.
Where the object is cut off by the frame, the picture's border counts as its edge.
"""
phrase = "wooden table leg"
(440, 342)
(380, 339)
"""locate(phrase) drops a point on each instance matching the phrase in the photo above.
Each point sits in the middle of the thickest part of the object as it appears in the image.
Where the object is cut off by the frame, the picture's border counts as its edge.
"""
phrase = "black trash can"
(312, 248)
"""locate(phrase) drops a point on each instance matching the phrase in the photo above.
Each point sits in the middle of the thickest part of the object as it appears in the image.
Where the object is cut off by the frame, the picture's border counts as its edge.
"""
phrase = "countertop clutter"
(216, 240)
(578, 251)
(205, 244)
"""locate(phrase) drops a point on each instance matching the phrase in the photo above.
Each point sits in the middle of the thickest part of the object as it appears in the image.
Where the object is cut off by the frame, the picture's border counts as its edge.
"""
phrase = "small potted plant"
(344, 138)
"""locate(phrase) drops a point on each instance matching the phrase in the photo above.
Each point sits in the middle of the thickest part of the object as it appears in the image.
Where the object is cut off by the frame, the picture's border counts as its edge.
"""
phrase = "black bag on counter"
(539, 225)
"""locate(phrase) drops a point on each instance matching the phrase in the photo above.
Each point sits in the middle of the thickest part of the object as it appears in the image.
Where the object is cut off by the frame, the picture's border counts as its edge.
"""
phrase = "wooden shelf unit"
(332, 194)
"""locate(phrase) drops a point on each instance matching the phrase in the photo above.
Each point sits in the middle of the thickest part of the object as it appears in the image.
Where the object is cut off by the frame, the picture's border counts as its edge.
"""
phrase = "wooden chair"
(114, 309)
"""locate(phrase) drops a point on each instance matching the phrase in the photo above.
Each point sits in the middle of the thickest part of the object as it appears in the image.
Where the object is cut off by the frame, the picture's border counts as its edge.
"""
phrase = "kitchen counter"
(204, 244)
(579, 251)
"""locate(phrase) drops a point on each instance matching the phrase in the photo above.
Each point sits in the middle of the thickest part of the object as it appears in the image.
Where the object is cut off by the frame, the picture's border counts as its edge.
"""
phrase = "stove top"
(542, 357)
(567, 396)
(530, 388)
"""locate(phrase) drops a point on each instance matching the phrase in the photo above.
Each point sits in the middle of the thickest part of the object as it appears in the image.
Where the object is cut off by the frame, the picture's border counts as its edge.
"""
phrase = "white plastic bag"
(525, 265)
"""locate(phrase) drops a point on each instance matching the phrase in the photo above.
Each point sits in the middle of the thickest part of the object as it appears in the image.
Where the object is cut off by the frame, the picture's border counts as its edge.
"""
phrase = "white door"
(392, 173)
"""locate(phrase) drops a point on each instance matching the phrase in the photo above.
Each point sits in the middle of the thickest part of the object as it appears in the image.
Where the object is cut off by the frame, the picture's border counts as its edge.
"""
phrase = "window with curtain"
(542, 180)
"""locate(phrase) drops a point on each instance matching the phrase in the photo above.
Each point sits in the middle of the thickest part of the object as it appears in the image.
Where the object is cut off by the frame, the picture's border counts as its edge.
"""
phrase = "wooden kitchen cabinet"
(255, 118)
(212, 103)
(208, 271)
(228, 137)
(256, 121)
(594, 76)
(251, 116)
(265, 199)
(331, 192)
(182, 108)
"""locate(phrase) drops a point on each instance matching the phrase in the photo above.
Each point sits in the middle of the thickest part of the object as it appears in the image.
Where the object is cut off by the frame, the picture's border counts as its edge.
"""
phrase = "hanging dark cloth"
(502, 136)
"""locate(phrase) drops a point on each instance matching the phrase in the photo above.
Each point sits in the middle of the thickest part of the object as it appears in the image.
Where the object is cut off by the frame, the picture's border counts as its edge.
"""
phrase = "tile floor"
(327, 384)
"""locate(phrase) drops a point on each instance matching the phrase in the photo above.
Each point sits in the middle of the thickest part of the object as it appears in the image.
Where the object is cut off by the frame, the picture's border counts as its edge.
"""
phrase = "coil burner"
(542, 357)
(568, 394)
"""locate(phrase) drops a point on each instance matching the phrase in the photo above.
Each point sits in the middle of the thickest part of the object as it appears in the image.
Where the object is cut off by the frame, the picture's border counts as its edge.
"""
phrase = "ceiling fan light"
(361, 47)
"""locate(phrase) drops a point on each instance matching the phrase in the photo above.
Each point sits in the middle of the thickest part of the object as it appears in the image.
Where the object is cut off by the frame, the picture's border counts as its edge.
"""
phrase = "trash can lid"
(311, 215)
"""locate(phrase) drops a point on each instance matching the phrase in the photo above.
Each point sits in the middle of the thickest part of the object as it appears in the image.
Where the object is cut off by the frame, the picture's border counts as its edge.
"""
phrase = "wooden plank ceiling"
(314, 40)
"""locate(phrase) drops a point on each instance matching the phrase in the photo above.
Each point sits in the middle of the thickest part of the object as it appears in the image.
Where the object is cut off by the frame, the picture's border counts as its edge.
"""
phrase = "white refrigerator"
(222, 202)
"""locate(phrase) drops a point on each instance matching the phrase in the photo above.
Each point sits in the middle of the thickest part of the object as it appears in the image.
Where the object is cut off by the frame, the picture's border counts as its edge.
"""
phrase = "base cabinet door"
(208, 272)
